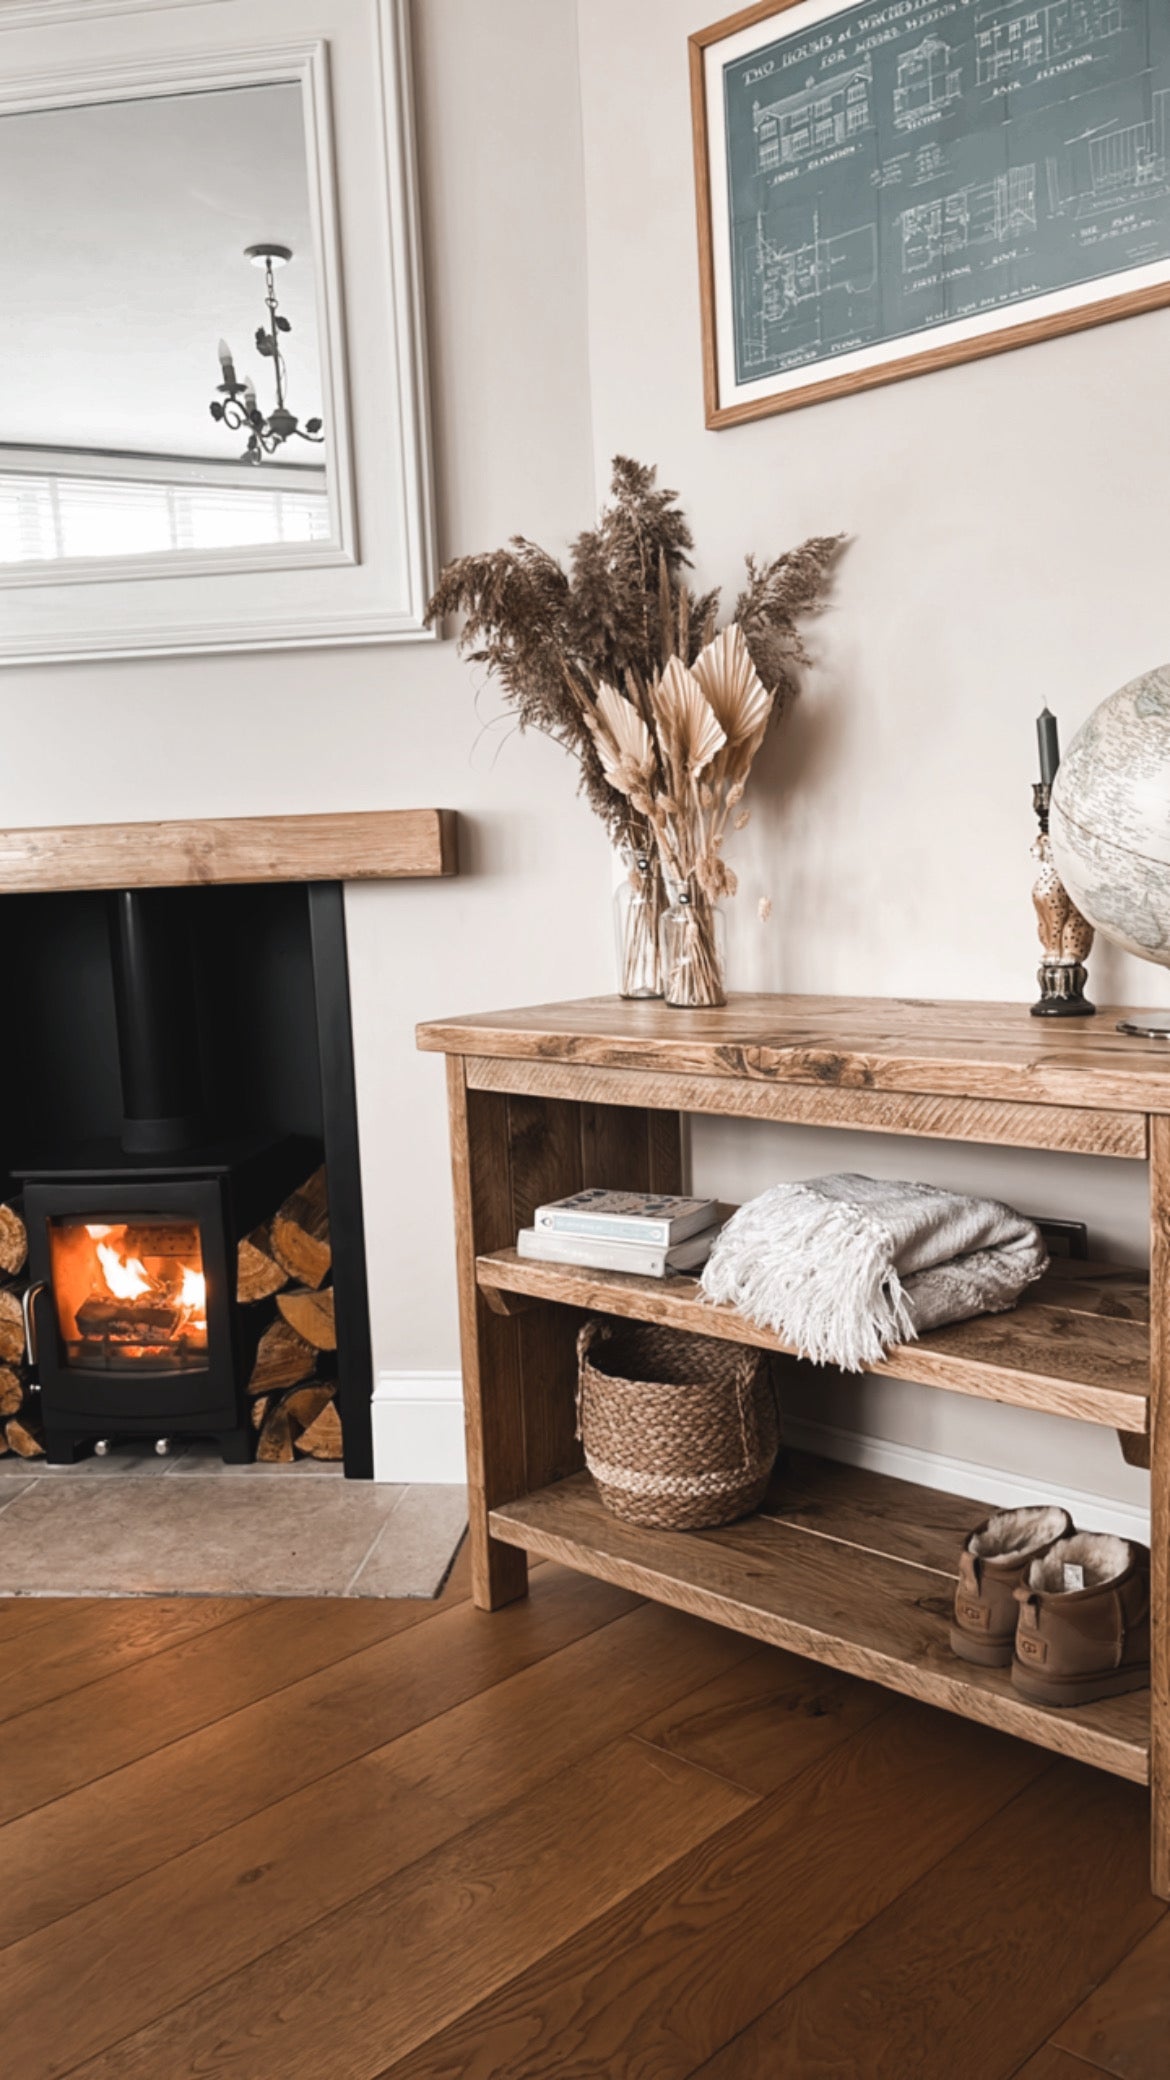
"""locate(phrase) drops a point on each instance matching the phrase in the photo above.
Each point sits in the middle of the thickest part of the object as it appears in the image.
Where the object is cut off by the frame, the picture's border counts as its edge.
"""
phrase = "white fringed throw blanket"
(842, 1267)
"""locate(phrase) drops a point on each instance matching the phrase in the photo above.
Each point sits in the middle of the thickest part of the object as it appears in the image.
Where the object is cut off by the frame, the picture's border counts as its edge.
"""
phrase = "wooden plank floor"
(585, 1836)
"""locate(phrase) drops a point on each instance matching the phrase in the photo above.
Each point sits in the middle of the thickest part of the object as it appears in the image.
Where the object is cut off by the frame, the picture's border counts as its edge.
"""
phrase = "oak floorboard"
(140, 1709)
(112, 1830)
(762, 1722)
(471, 1916)
(1124, 2026)
(1051, 2063)
(662, 1981)
(88, 1644)
(982, 1958)
(206, 1914)
(22, 1616)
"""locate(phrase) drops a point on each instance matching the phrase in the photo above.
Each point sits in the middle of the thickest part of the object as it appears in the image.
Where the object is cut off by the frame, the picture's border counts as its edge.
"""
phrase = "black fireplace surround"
(186, 1061)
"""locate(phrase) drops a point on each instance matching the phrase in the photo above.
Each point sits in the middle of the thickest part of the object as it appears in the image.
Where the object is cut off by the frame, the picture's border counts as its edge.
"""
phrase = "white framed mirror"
(212, 401)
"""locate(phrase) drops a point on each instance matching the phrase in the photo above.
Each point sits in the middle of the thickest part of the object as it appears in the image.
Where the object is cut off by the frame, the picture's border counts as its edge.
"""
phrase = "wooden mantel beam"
(368, 845)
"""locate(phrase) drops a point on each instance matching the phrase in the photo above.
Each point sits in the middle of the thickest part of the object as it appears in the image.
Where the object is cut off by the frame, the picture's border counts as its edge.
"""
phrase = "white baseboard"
(418, 1428)
(418, 1437)
(993, 1484)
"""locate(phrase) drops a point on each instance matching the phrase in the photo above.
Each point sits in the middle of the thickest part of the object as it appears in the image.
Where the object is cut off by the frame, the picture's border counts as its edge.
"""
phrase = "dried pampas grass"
(621, 662)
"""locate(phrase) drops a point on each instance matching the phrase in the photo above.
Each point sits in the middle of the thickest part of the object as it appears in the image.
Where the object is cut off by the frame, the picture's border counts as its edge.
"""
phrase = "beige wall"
(1010, 539)
(351, 729)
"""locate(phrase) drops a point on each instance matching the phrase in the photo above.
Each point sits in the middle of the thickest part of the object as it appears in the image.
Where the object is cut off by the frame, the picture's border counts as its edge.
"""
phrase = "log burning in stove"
(129, 1294)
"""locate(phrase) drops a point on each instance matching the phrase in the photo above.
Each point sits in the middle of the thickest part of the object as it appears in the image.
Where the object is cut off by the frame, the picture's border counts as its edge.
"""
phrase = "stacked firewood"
(20, 1429)
(285, 1266)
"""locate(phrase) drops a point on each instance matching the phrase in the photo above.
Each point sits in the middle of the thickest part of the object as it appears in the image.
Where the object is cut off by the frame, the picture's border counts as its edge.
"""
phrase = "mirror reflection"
(161, 381)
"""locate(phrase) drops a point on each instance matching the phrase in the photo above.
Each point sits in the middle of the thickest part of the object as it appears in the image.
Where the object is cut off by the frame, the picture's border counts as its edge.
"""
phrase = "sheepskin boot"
(991, 1568)
(1084, 1625)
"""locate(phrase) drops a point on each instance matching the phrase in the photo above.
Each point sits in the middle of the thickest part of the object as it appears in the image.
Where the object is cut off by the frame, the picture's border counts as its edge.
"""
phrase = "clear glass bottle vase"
(692, 949)
(638, 905)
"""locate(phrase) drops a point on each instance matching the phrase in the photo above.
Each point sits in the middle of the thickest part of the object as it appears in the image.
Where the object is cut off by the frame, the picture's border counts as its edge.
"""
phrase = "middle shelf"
(1077, 1344)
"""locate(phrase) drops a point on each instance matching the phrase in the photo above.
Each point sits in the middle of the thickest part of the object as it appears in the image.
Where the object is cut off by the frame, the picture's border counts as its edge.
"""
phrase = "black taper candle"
(1049, 740)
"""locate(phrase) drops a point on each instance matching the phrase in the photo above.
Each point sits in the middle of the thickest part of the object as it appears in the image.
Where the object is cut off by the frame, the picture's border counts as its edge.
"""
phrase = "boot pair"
(1068, 1610)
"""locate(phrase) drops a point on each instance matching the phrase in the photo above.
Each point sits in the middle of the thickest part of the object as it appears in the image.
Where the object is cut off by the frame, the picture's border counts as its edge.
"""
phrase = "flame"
(194, 1290)
(126, 1278)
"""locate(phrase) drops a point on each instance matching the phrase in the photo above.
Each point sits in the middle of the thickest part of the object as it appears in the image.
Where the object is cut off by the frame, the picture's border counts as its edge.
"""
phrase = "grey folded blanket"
(842, 1267)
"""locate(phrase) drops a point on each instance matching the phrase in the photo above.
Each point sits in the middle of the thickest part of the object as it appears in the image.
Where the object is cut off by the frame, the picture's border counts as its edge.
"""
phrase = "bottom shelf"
(845, 1567)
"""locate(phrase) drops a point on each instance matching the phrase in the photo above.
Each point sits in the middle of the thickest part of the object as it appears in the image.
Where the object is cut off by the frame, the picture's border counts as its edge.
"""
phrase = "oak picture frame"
(723, 408)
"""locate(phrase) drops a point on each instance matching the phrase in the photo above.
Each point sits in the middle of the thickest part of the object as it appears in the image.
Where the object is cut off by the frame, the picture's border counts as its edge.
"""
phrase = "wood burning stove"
(133, 1325)
(135, 1330)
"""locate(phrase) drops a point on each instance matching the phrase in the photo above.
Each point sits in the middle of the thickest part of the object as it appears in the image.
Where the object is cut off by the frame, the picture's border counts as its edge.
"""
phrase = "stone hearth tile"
(416, 1548)
(10, 1491)
(141, 1460)
(203, 1458)
(200, 1537)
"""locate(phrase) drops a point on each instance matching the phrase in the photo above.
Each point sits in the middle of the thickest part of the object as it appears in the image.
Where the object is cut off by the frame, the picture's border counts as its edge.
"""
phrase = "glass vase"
(691, 941)
(638, 906)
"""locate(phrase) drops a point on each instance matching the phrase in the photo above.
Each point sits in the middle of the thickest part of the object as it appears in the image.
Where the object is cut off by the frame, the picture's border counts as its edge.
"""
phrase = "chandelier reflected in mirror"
(239, 408)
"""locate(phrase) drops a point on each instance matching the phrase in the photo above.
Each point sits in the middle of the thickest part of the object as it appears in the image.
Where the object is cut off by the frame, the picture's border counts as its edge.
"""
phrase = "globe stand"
(1064, 934)
(1145, 1028)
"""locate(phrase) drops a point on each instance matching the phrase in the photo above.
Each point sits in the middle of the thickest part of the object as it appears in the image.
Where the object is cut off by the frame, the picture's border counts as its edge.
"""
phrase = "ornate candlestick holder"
(1065, 936)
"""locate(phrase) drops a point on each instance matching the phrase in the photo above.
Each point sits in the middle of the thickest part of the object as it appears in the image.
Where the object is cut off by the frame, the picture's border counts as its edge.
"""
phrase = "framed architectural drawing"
(896, 186)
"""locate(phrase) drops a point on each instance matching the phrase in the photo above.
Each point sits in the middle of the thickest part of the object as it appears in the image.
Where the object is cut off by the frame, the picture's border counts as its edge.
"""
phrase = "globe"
(1109, 819)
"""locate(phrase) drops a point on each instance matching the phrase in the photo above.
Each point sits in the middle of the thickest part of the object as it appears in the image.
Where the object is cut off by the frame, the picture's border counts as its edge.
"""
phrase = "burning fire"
(125, 1276)
(130, 1292)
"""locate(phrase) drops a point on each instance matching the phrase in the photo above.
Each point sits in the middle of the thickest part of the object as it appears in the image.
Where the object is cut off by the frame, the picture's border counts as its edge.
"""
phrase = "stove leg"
(64, 1448)
(236, 1447)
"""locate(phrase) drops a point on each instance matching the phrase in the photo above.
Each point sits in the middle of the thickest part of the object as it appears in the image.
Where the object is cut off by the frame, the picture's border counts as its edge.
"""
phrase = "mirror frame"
(371, 581)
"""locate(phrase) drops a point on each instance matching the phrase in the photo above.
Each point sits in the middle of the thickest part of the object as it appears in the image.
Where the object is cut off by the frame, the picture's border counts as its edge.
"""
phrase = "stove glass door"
(129, 1295)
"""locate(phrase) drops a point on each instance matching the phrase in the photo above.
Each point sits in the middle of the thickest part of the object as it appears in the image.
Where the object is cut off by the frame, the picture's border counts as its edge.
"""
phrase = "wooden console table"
(848, 1568)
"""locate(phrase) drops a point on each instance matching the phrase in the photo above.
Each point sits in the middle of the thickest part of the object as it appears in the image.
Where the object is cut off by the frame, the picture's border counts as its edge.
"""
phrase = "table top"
(949, 1048)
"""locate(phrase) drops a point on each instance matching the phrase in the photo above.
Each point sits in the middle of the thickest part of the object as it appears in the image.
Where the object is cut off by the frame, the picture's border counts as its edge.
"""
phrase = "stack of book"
(623, 1231)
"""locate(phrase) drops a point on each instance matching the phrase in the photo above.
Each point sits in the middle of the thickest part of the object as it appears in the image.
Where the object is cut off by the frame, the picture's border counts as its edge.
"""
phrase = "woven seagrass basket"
(679, 1431)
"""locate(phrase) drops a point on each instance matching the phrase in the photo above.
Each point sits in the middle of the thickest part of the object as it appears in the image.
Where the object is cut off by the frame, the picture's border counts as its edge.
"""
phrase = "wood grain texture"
(110, 1831)
(945, 1968)
(423, 1807)
(252, 1886)
(85, 1645)
(1051, 2063)
(1002, 1122)
(138, 1709)
(1160, 1505)
(479, 1909)
(1124, 2026)
(914, 362)
(366, 845)
(863, 1044)
(691, 1958)
(859, 1611)
(762, 1722)
(493, 1406)
(1069, 1360)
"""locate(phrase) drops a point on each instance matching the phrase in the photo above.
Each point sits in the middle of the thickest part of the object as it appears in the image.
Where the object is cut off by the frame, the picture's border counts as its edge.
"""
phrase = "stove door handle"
(27, 1303)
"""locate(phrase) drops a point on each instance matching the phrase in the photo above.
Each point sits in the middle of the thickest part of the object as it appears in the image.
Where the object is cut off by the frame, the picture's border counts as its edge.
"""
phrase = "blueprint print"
(898, 166)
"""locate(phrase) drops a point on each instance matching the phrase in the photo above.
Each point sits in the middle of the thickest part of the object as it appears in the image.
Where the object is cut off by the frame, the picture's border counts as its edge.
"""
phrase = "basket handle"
(591, 1332)
(745, 1378)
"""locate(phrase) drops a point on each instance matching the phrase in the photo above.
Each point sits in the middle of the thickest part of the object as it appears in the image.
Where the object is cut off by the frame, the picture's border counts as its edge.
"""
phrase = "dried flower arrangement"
(620, 661)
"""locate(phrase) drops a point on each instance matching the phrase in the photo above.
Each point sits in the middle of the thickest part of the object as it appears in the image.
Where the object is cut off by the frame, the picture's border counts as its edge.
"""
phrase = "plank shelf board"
(1078, 1344)
(848, 1568)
